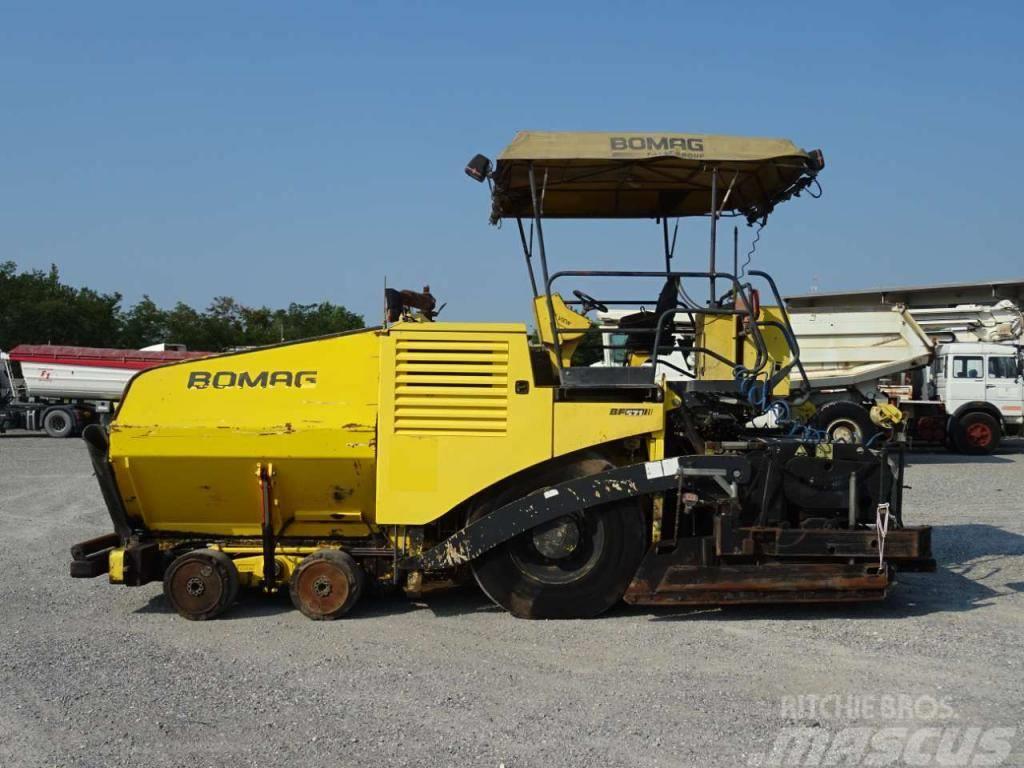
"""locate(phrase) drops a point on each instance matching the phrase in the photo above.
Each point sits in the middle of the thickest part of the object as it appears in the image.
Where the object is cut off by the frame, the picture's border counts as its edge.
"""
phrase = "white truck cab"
(983, 378)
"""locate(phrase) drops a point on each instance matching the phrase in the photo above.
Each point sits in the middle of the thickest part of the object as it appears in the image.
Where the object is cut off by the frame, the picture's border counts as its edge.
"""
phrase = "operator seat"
(640, 327)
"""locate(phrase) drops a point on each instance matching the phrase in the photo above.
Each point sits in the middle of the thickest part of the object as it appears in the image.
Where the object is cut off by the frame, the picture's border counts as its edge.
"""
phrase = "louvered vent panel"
(451, 387)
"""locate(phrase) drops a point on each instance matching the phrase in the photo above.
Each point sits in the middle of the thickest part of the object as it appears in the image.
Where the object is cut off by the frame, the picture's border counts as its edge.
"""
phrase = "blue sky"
(281, 152)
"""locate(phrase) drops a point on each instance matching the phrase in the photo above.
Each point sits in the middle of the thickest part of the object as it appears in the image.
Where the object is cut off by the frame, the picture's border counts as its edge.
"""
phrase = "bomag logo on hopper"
(246, 380)
(675, 145)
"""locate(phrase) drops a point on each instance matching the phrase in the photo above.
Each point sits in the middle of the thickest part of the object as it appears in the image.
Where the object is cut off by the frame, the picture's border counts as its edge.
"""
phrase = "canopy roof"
(647, 175)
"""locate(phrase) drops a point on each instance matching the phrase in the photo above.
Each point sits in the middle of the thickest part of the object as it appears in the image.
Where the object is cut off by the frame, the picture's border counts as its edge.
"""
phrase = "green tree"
(37, 308)
(303, 321)
(144, 324)
(222, 324)
(591, 348)
(185, 326)
(263, 325)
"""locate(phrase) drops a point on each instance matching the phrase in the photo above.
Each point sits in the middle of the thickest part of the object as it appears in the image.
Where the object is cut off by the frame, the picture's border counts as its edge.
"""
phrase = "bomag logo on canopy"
(247, 380)
(685, 146)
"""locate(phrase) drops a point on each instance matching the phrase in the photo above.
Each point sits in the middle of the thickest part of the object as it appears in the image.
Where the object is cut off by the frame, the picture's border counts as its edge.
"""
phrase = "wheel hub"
(844, 432)
(199, 587)
(322, 587)
(558, 539)
(979, 434)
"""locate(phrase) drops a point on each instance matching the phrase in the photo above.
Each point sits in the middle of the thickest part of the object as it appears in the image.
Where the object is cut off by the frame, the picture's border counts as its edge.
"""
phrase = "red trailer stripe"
(97, 357)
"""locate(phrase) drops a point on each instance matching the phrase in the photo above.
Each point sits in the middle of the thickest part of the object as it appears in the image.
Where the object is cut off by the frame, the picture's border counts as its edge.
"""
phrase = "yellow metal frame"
(572, 325)
(115, 566)
(726, 335)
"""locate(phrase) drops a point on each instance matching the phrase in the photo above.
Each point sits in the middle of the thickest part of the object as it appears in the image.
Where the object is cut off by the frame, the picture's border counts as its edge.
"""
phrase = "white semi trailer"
(959, 383)
(61, 389)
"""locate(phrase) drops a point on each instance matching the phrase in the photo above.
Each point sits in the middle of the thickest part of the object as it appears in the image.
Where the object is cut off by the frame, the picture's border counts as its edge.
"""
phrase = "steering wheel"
(589, 302)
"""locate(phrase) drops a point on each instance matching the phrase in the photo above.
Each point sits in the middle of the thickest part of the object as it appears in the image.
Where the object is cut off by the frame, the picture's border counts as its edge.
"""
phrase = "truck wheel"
(976, 434)
(201, 584)
(58, 423)
(575, 567)
(326, 584)
(845, 422)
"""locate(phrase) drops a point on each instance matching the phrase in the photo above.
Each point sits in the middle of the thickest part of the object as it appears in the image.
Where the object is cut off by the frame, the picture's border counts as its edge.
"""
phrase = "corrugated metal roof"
(917, 296)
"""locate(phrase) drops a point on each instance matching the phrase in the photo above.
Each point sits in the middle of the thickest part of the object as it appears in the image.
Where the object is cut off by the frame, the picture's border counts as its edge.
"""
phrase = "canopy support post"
(528, 252)
(668, 251)
(735, 253)
(544, 269)
(714, 233)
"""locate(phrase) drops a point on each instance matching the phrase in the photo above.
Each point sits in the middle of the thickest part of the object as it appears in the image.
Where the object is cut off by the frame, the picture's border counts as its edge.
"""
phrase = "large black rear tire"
(576, 567)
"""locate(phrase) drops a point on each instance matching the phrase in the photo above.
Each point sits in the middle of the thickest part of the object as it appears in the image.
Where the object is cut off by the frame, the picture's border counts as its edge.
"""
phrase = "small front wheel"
(201, 584)
(326, 584)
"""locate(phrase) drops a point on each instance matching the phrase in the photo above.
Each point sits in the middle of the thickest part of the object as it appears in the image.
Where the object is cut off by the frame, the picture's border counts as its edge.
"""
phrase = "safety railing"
(743, 305)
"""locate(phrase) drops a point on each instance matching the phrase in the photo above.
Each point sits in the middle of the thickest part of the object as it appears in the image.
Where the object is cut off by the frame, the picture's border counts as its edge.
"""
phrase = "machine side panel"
(579, 425)
(459, 412)
(188, 437)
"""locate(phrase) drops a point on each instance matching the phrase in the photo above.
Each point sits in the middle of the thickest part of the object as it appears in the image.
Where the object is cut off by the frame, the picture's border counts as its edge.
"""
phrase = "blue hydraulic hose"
(872, 439)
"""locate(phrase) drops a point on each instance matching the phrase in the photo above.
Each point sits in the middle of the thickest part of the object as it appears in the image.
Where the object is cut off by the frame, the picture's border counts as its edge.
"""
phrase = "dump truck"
(61, 389)
(955, 376)
(421, 452)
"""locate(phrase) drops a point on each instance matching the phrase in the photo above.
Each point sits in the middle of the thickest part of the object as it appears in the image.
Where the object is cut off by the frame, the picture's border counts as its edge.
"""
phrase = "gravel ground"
(98, 675)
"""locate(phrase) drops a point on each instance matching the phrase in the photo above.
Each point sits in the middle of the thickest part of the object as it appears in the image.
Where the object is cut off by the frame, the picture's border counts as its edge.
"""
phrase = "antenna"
(714, 235)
